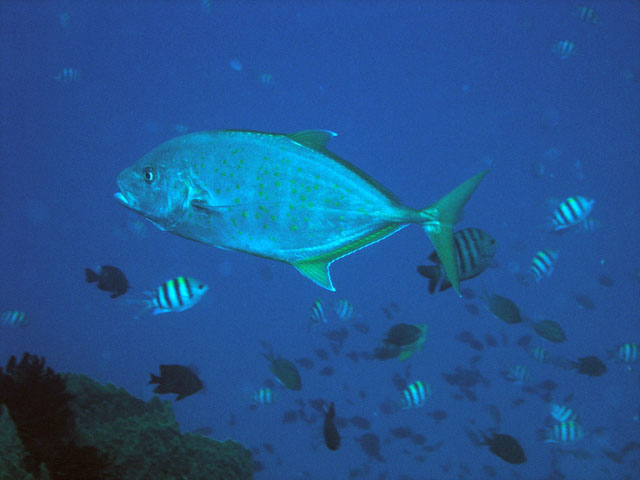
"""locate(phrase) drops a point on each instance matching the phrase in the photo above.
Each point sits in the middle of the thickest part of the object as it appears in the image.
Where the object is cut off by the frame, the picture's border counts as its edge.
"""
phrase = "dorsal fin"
(316, 139)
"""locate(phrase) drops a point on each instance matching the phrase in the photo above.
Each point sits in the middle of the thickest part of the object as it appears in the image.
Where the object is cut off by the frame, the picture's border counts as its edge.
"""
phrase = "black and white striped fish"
(565, 433)
(562, 413)
(570, 212)
(542, 264)
(344, 309)
(14, 319)
(625, 353)
(474, 253)
(176, 295)
(415, 395)
(564, 48)
(317, 313)
(588, 15)
(67, 75)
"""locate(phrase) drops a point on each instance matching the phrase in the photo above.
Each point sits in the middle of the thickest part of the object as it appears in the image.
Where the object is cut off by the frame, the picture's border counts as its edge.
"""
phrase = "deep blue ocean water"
(423, 95)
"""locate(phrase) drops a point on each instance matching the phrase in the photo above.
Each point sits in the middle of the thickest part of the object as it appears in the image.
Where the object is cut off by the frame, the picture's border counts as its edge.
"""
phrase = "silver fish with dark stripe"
(176, 295)
(474, 249)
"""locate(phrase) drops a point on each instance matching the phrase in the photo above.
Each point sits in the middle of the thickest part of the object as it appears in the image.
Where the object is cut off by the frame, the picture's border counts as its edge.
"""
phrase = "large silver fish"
(284, 197)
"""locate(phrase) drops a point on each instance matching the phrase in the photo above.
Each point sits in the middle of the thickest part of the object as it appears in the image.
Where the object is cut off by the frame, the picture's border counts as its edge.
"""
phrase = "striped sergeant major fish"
(543, 263)
(565, 433)
(625, 353)
(415, 395)
(587, 15)
(539, 353)
(176, 295)
(67, 75)
(562, 413)
(474, 249)
(564, 48)
(344, 309)
(264, 396)
(518, 374)
(317, 313)
(14, 319)
(570, 212)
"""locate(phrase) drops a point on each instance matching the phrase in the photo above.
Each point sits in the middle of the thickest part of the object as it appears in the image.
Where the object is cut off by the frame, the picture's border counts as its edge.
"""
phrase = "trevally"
(284, 197)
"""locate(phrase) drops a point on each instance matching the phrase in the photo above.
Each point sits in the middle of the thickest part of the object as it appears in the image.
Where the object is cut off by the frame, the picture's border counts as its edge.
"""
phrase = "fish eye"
(149, 175)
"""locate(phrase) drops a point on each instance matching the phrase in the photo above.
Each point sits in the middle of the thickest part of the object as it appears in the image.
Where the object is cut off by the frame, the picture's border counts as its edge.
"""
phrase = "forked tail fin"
(442, 216)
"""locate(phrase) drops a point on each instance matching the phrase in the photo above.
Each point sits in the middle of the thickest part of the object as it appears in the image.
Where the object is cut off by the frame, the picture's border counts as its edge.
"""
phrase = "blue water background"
(423, 95)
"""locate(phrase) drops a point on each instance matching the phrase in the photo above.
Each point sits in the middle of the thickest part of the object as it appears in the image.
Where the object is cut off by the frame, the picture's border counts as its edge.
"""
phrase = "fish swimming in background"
(109, 279)
(562, 413)
(415, 395)
(564, 48)
(474, 250)
(329, 430)
(283, 197)
(625, 353)
(542, 264)
(570, 212)
(565, 433)
(587, 15)
(285, 371)
(177, 379)
(518, 374)
(264, 396)
(500, 444)
(14, 319)
(317, 313)
(176, 295)
(67, 75)
(344, 309)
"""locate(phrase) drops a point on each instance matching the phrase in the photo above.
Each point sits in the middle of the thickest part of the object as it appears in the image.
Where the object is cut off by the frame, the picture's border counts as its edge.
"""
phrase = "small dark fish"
(362, 394)
(590, 365)
(504, 446)
(401, 432)
(418, 439)
(504, 309)
(285, 371)
(353, 356)
(491, 340)
(360, 422)
(403, 334)
(370, 444)
(584, 301)
(438, 415)
(472, 308)
(331, 435)
(290, 416)
(109, 279)
(550, 330)
(399, 381)
(176, 379)
(605, 281)
(305, 362)
(338, 336)
(327, 371)
(524, 341)
(361, 327)
(468, 338)
(268, 447)
(474, 251)
(322, 354)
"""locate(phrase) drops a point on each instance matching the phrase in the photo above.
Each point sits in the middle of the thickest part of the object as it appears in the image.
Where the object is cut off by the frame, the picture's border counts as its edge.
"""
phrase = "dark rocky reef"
(70, 427)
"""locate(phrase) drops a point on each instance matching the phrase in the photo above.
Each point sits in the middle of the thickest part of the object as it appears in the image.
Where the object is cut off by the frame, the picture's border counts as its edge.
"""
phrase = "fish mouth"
(122, 199)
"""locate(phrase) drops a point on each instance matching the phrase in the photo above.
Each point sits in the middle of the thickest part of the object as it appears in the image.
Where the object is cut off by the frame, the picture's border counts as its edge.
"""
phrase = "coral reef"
(102, 432)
